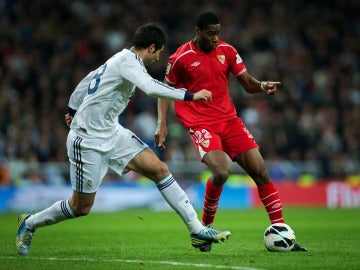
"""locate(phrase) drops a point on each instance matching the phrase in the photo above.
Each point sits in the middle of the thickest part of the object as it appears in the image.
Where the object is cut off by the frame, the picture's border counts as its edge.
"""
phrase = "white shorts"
(90, 158)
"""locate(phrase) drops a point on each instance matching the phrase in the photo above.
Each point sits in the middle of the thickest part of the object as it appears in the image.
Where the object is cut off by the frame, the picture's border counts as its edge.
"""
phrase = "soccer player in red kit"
(214, 127)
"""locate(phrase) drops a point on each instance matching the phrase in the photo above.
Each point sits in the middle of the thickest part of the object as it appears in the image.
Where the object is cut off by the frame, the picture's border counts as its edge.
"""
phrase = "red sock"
(270, 198)
(211, 202)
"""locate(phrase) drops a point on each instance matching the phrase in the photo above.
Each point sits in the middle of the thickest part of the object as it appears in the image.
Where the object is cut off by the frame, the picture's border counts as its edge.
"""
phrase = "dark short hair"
(204, 19)
(148, 34)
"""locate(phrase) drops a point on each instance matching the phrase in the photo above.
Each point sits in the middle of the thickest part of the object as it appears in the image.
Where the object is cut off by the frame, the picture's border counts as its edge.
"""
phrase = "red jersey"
(194, 70)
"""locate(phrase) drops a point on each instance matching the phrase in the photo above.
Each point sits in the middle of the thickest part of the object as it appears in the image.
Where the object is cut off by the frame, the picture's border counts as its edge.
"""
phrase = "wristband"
(71, 111)
(262, 85)
(188, 96)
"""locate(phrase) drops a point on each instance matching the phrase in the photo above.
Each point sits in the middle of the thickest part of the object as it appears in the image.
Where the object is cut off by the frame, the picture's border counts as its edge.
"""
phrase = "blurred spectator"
(311, 46)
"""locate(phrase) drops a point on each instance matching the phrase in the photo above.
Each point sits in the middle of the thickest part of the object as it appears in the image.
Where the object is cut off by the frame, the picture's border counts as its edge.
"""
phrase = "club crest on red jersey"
(221, 58)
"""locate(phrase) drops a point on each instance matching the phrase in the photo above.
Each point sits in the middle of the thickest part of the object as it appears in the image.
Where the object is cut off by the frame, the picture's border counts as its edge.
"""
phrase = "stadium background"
(309, 132)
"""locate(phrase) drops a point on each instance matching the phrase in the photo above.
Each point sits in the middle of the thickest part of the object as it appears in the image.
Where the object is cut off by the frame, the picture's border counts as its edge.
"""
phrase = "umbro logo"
(277, 205)
(195, 64)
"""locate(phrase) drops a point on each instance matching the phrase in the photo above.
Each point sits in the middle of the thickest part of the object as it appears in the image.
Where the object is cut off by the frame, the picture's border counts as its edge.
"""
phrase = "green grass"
(143, 239)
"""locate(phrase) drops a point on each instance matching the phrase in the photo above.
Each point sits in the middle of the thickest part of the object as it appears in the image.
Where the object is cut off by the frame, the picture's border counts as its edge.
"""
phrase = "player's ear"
(197, 30)
(152, 48)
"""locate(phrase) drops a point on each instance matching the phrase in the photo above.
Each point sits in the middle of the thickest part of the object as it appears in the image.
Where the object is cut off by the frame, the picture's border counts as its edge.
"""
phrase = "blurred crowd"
(312, 47)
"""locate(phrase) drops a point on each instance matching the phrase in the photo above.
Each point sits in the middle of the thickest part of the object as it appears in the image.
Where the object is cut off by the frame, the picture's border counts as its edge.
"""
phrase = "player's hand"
(68, 119)
(270, 88)
(202, 95)
(160, 135)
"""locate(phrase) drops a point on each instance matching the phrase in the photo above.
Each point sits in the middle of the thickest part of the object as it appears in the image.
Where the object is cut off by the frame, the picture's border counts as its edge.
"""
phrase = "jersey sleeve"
(171, 71)
(79, 93)
(133, 71)
(237, 66)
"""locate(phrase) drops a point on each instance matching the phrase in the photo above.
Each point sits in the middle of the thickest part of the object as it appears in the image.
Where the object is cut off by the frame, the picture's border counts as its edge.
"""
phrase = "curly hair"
(204, 19)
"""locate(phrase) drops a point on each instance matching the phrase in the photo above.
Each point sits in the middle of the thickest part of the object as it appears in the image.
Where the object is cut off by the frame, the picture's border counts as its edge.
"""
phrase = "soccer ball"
(279, 237)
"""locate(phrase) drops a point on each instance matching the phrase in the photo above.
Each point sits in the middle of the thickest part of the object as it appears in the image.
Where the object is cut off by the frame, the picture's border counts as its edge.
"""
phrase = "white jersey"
(105, 92)
(80, 91)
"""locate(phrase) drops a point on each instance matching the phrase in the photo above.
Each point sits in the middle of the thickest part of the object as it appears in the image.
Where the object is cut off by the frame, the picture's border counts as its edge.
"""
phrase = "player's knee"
(159, 171)
(260, 175)
(163, 170)
(220, 175)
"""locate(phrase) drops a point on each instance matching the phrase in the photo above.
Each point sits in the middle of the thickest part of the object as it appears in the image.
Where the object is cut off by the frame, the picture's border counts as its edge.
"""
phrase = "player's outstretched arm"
(161, 130)
(253, 86)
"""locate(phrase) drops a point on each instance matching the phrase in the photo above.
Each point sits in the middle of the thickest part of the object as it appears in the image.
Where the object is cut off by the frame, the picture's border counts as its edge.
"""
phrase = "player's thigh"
(131, 153)
(148, 164)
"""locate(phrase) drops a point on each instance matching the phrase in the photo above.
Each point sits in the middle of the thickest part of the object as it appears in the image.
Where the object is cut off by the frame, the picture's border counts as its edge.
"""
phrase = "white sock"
(57, 212)
(179, 201)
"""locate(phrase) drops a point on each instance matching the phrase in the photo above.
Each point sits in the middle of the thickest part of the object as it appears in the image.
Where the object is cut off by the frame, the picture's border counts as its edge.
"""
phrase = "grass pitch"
(142, 239)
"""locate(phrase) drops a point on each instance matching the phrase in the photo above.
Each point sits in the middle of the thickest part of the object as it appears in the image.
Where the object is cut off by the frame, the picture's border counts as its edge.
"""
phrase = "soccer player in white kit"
(96, 141)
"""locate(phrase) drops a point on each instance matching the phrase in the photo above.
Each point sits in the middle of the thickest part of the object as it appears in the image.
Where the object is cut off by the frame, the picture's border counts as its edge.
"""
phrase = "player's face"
(153, 56)
(208, 37)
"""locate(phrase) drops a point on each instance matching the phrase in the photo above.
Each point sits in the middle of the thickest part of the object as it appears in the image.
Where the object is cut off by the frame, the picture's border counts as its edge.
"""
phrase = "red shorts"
(232, 137)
